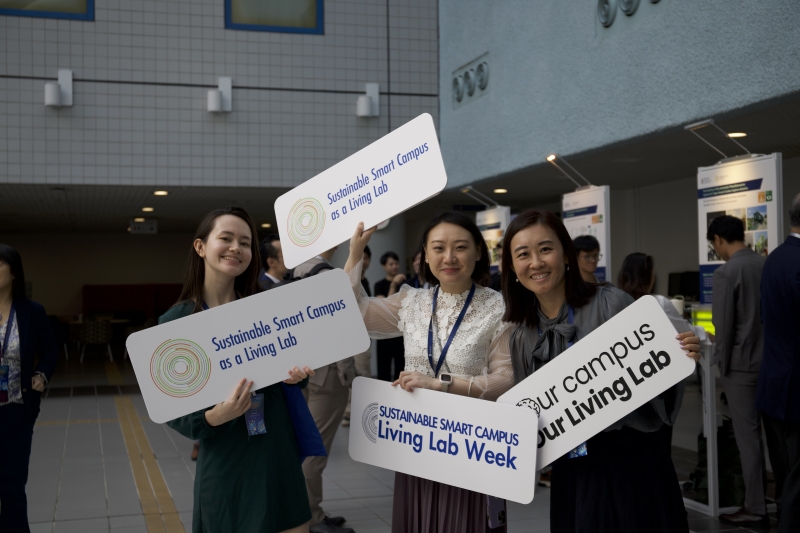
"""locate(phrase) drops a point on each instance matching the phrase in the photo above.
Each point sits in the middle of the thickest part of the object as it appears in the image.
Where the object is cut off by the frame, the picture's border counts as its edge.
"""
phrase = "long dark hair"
(14, 260)
(636, 275)
(521, 304)
(481, 275)
(245, 284)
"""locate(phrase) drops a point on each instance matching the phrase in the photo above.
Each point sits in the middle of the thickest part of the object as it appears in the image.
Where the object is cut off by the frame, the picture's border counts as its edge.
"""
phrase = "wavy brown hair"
(245, 284)
(636, 275)
(481, 275)
(521, 303)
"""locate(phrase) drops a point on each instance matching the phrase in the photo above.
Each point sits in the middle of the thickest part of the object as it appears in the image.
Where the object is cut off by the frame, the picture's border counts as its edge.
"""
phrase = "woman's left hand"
(37, 383)
(296, 375)
(690, 344)
(409, 381)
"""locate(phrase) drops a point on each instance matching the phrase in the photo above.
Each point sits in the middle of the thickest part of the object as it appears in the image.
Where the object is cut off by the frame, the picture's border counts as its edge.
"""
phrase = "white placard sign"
(618, 367)
(391, 175)
(586, 212)
(464, 442)
(195, 362)
(749, 189)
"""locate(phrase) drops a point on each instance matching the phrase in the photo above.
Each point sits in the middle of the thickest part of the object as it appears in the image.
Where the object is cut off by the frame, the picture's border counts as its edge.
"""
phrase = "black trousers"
(16, 421)
(778, 455)
(390, 350)
(789, 433)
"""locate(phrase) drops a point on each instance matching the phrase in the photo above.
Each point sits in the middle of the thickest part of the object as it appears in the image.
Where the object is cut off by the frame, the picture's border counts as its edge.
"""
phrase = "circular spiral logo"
(369, 422)
(180, 368)
(530, 404)
(306, 221)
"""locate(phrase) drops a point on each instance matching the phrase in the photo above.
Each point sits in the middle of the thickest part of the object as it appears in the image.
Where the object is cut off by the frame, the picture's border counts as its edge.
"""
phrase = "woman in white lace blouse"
(455, 260)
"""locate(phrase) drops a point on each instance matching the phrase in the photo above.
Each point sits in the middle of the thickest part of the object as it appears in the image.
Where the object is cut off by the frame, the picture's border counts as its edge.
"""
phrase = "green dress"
(243, 483)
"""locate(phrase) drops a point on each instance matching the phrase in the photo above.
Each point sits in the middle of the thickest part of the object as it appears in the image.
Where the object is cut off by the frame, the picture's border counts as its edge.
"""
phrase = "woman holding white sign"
(620, 480)
(455, 342)
(248, 471)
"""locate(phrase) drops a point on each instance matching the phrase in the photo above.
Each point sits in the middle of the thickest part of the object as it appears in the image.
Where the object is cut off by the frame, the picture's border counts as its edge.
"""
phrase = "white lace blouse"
(480, 350)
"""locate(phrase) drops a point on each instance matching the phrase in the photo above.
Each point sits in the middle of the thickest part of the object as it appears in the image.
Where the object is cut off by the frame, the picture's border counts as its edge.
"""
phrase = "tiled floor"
(100, 464)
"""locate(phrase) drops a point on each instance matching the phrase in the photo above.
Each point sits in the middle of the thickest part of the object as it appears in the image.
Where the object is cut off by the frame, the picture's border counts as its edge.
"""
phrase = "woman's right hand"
(358, 242)
(235, 406)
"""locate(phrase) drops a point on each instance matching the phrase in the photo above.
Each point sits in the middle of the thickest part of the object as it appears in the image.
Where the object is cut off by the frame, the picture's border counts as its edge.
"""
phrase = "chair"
(149, 323)
(96, 332)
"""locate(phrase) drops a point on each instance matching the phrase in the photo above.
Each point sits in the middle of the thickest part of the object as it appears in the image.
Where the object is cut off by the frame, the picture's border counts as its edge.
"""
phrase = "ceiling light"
(138, 219)
(551, 157)
(266, 225)
(737, 135)
(148, 209)
(161, 193)
(500, 191)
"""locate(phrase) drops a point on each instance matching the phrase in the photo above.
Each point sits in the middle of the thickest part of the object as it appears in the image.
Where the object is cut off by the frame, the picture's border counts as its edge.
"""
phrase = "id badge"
(3, 383)
(580, 451)
(254, 417)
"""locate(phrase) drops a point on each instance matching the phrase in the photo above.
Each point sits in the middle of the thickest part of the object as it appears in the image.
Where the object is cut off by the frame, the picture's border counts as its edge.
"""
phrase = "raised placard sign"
(617, 368)
(391, 175)
(473, 444)
(195, 362)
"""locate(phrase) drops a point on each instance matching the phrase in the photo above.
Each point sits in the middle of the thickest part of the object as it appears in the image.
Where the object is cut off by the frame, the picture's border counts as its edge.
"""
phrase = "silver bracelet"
(469, 389)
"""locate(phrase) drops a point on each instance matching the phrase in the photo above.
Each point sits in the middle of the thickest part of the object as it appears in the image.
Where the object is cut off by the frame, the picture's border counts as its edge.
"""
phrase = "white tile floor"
(81, 479)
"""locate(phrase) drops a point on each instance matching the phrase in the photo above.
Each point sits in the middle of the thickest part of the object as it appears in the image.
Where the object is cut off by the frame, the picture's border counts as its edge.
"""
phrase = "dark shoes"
(331, 524)
(195, 451)
(742, 517)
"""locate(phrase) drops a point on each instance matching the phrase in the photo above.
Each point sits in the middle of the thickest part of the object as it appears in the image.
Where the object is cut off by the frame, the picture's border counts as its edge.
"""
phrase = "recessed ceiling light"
(161, 193)
(138, 219)
(266, 225)
(500, 191)
(737, 135)
(148, 209)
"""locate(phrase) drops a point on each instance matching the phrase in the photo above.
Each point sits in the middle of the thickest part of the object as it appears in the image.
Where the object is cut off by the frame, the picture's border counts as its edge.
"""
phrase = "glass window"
(291, 16)
(59, 9)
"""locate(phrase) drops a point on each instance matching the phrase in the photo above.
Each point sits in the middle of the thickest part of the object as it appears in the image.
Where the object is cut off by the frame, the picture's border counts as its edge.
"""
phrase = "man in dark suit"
(778, 396)
(273, 270)
(737, 350)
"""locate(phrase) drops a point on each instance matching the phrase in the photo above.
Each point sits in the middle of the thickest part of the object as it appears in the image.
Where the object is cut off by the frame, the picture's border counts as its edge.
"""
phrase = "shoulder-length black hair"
(481, 275)
(245, 284)
(521, 303)
(636, 275)
(11, 257)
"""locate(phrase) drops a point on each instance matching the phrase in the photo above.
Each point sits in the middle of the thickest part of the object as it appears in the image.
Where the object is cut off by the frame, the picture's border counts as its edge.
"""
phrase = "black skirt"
(625, 483)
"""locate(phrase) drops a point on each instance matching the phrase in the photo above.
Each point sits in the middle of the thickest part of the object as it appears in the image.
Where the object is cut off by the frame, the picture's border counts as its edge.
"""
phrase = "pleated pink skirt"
(423, 506)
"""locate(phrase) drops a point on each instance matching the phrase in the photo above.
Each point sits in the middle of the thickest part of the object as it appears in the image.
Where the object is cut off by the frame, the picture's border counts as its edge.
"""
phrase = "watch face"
(446, 378)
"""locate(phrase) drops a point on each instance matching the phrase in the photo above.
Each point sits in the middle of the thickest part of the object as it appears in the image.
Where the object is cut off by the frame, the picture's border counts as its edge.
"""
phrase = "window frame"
(318, 30)
(89, 16)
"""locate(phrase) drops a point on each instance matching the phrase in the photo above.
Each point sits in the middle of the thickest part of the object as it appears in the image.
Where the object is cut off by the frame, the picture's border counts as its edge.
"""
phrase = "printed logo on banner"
(306, 221)
(369, 421)
(530, 404)
(180, 368)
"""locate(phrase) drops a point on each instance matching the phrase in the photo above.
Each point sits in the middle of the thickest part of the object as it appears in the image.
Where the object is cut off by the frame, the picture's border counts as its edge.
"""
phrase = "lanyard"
(452, 333)
(570, 320)
(4, 347)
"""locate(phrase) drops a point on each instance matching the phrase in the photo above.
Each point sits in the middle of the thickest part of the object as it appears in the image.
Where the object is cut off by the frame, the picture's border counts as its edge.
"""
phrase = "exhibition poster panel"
(493, 223)
(749, 189)
(585, 212)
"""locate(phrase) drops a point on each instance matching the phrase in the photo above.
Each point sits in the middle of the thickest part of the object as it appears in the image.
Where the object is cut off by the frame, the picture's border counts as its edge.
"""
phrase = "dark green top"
(248, 484)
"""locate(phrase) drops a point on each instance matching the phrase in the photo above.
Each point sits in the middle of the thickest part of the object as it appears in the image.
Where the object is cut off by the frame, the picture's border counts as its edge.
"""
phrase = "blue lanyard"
(570, 320)
(4, 347)
(452, 333)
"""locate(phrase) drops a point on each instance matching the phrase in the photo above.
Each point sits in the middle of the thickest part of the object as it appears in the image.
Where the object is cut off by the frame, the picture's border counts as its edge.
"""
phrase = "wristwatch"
(445, 380)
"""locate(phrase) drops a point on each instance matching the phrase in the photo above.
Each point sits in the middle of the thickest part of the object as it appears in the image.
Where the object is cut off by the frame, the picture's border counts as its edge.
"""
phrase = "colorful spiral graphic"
(306, 221)
(180, 368)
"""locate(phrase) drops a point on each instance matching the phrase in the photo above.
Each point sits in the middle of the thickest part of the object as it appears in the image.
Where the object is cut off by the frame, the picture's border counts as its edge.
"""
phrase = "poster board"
(194, 362)
(750, 189)
(473, 444)
(391, 175)
(492, 224)
(586, 212)
(615, 369)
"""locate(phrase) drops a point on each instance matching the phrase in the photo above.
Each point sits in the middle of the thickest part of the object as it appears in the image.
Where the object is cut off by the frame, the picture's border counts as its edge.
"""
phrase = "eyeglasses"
(592, 257)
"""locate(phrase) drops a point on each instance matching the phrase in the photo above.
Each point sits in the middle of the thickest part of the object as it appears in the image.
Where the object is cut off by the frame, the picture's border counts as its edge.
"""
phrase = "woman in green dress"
(243, 482)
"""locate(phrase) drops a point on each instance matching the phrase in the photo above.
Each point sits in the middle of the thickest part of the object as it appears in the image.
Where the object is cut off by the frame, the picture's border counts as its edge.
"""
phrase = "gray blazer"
(736, 310)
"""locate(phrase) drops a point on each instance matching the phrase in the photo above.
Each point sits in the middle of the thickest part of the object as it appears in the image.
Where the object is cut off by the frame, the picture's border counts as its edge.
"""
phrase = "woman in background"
(25, 336)
(243, 482)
